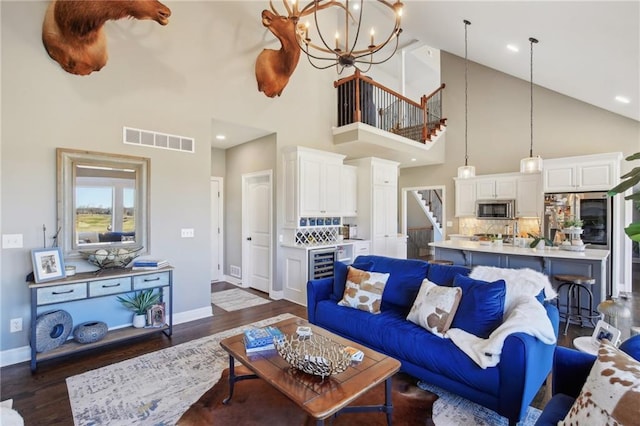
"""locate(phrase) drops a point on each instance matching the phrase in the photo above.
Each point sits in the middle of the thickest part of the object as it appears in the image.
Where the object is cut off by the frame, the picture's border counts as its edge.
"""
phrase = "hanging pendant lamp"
(531, 164)
(466, 171)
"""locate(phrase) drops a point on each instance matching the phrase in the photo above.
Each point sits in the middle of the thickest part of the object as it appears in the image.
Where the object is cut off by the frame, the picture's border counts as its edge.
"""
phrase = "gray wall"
(218, 165)
(499, 127)
(255, 156)
(171, 79)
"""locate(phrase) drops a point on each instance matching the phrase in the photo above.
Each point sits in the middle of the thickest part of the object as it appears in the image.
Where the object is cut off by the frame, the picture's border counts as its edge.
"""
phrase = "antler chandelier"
(347, 47)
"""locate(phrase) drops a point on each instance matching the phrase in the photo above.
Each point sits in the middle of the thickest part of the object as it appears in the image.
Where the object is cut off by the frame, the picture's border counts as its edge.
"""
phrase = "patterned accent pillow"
(611, 394)
(363, 290)
(434, 307)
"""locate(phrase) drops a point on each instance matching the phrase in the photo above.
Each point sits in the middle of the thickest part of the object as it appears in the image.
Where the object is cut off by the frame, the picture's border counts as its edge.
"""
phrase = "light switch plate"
(11, 241)
(187, 233)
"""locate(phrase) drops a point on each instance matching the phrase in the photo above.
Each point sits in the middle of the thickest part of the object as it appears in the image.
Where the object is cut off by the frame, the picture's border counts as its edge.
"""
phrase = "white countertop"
(554, 252)
(325, 245)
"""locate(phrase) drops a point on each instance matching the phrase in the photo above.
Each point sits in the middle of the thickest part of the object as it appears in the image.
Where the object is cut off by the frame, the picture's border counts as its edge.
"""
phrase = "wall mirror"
(102, 201)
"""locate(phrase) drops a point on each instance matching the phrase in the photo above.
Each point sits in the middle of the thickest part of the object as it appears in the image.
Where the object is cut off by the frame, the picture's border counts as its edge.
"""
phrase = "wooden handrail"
(442, 86)
(358, 76)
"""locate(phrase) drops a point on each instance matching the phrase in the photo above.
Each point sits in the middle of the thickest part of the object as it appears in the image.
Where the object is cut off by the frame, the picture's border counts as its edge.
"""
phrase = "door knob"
(248, 238)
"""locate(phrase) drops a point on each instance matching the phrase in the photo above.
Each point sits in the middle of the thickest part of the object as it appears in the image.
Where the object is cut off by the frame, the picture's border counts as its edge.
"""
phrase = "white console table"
(91, 285)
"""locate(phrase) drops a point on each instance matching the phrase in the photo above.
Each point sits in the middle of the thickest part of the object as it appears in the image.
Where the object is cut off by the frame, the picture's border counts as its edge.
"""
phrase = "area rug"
(152, 389)
(255, 402)
(452, 410)
(235, 299)
(157, 388)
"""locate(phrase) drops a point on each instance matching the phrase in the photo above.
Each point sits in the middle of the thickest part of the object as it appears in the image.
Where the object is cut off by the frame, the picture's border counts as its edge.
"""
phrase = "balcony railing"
(361, 99)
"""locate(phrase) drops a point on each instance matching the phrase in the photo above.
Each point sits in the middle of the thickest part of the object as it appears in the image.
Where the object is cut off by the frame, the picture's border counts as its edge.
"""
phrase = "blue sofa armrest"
(570, 370)
(524, 366)
(317, 290)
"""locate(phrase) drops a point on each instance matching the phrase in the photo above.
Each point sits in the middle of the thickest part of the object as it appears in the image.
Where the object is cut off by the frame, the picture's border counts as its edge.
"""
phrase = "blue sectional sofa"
(507, 388)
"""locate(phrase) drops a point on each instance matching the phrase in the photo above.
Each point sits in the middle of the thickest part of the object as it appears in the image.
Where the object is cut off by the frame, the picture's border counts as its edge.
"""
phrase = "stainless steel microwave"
(495, 209)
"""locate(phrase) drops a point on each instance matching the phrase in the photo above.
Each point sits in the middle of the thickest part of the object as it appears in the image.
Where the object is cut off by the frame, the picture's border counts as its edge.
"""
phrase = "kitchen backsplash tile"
(472, 226)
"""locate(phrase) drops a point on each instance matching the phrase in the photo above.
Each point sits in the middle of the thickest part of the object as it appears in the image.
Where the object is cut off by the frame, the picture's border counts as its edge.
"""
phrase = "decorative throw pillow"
(340, 276)
(482, 305)
(611, 394)
(363, 290)
(435, 307)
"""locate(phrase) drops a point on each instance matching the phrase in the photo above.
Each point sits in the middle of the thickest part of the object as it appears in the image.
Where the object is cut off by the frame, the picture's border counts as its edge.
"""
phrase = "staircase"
(430, 201)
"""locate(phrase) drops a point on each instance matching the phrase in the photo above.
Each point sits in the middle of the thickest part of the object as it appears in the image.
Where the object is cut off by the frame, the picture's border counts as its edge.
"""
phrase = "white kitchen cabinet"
(349, 190)
(377, 218)
(295, 273)
(597, 172)
(465, 197)
(529, 199)
(312, 184)
(501, 188)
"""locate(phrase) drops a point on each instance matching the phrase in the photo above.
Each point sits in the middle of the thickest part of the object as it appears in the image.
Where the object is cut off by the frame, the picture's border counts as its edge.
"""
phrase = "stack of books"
(261, 339)
(148, 264)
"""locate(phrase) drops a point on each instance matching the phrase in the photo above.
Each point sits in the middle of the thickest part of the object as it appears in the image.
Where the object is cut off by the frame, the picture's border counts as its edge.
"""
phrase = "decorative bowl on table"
(317, 355)
(111, 257)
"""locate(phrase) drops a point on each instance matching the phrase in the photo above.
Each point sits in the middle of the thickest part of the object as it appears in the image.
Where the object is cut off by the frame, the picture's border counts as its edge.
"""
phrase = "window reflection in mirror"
(104, 205)
(102, 201)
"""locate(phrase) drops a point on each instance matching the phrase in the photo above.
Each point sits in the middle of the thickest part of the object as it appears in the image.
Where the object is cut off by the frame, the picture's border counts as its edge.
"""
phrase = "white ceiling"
(588, 50)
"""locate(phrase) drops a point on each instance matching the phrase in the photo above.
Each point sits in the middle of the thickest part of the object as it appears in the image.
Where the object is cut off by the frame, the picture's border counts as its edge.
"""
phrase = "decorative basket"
(317, 355)
(111, 258)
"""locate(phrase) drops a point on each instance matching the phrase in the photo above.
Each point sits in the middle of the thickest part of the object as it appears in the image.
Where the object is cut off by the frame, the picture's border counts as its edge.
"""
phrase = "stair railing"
(361, 99)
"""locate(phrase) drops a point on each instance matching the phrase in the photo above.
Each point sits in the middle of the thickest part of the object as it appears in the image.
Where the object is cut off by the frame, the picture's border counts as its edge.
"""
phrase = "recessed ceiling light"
(623, 99)
(513, 47)
(221, 137)
(414, 159)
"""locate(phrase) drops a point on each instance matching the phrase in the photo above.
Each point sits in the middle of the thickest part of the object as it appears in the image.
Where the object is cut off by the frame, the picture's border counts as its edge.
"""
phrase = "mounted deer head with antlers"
(274, 67)
(73, 32)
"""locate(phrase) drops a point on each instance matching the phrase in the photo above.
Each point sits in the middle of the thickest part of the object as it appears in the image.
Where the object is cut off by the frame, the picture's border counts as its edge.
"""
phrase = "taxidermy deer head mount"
(274, 67)
(73, 32)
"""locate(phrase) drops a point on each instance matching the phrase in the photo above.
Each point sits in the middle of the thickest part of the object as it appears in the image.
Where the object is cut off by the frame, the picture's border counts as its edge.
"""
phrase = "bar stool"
(577, 285)
(440, 262)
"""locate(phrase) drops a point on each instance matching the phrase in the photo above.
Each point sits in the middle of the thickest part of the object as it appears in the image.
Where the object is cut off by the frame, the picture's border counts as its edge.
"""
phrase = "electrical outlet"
(11, 241)
(15, 325)
(187, 233)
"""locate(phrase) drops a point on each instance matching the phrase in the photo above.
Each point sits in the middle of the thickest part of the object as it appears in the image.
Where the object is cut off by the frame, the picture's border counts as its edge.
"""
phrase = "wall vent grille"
(153, 139)
(234, 271)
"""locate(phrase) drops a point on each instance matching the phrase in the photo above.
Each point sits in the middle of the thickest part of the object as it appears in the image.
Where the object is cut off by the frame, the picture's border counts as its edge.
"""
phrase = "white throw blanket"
(522, 313)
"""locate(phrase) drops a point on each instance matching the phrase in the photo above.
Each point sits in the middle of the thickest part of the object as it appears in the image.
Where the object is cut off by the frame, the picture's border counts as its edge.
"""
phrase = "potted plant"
(631, 179)
(539, 241)
(140, 303)
(572, 223)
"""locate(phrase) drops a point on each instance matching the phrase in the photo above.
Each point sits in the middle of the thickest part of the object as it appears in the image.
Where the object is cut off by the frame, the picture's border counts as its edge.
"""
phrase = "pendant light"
(466, 171)
(531, 164)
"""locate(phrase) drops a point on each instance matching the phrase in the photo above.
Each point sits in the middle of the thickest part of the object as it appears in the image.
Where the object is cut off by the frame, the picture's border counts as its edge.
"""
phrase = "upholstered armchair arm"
(525, 364)
(317, 290)
(570, 370)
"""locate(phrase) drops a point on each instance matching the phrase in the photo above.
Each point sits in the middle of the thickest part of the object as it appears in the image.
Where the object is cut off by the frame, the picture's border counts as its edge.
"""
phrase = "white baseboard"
(276, 295)
(15, 356)
(233, 280)
(21, 354)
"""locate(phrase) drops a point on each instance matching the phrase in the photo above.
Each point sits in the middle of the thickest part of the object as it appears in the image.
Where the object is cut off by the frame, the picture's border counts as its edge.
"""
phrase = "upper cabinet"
(465, 197)
(349, 189)
(529, 199)
(500, 188)
(313, 182)
(585, 173)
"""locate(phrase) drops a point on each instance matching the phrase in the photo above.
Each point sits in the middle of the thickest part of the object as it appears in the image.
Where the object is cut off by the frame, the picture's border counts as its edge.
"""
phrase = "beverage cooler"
(321, 262)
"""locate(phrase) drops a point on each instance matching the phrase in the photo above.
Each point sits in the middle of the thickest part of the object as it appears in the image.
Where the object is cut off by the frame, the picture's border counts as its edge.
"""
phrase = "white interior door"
(216, 228)
(256, 231)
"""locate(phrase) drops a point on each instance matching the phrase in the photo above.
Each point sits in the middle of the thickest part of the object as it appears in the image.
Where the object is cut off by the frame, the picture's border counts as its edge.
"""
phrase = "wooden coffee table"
(320, 398)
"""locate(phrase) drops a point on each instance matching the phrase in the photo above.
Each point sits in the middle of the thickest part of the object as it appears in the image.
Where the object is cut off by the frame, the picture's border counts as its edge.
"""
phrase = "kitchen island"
(550, 261)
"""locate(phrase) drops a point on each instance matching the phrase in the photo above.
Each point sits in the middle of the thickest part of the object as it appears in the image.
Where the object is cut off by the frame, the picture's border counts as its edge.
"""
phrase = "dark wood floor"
(42, 397)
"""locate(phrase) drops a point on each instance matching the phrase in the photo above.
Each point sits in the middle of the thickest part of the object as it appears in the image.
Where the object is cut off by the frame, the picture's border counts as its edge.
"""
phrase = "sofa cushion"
(435, 307)
(611, 394)
(340, 276)
(405, 278)
(481, 308)
(408, 342)
(444, 274)
(363, 290)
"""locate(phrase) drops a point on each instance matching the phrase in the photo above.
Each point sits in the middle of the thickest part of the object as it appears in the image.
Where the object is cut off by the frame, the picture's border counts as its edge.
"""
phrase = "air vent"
(234, 271)
(149, 138)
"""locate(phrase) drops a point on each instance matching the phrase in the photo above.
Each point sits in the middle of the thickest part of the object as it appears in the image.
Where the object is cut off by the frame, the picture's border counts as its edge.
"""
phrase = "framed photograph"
(604, 330)
(156, 316)
(48, 264)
